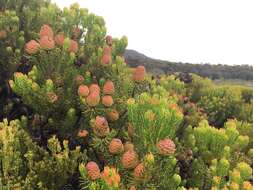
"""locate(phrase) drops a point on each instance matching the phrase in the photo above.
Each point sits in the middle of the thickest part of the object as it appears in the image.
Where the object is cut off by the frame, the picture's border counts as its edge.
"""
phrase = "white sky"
(196, 31)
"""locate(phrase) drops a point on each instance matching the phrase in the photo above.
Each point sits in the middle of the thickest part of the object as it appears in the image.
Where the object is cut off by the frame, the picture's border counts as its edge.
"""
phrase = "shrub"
(79, 118)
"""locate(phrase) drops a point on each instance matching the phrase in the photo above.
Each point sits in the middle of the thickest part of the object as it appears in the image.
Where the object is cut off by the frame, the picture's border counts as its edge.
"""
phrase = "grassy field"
(236, 82)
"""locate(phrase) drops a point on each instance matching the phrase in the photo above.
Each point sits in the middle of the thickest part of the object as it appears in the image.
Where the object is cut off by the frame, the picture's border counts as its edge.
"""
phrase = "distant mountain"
(134, 58)
(157, 67)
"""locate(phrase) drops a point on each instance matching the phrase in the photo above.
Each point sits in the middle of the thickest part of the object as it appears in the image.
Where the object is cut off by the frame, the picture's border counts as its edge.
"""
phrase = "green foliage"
(25, 165)
(153, 118)
(193, 115)
(221, 103)
(238, 176)
(93, 123)
(119, 46)
(246, 112)
(245, 128)
(169, 174)
(173, 85)
(199, 175)
(247, 95)
(11, 42)
(20, 20)
(211, 143)
(197, 86)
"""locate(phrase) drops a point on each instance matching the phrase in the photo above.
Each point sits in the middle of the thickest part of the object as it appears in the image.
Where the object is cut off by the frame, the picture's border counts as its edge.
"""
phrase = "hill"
(157, 67)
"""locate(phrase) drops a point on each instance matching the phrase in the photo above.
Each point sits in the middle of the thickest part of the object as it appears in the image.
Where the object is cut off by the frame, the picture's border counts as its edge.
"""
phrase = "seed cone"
(47, 43)
(93, 99)
(32, 47)
(107, 101)
(116, 146)
(139, 74)
(93, 170)
(130, 159)
(94, 88)
(73, 47)
(108, 88)
(108, 40)
(112, 115)
(59, 39)
(46, 31)
(166, 147)
(107, 50)
(106, 59)
(83, 90)
(139, 172)
(101, 127)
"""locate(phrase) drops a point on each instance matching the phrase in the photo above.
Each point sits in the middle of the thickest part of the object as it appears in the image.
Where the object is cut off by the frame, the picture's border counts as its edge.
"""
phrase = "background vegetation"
(73, 115)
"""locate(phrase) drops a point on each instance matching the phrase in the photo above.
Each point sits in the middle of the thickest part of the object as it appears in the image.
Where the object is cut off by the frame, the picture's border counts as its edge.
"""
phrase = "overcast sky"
(196, 31)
